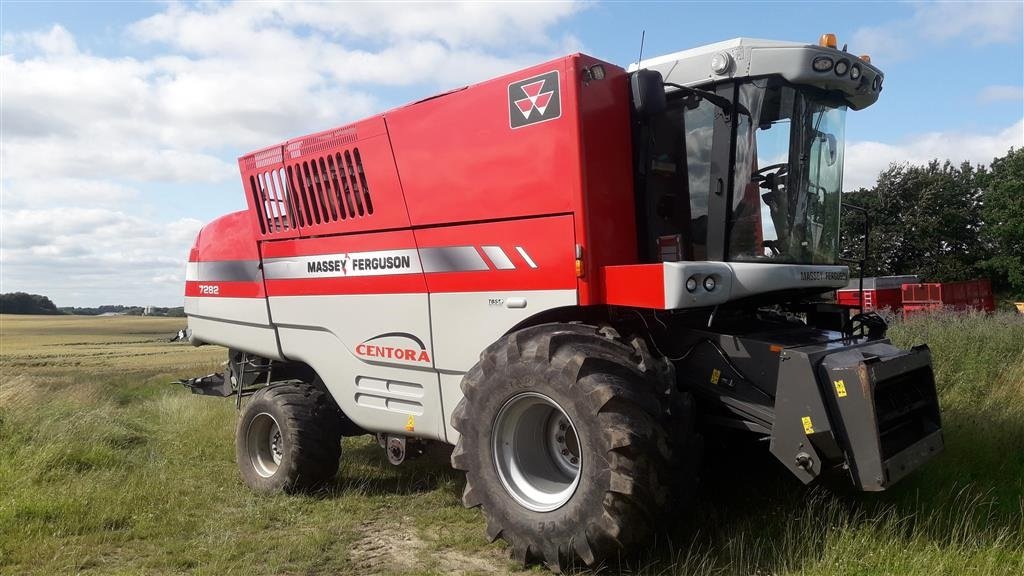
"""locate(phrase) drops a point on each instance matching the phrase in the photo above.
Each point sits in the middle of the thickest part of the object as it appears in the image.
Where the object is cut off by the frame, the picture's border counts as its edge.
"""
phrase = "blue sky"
(121, 122)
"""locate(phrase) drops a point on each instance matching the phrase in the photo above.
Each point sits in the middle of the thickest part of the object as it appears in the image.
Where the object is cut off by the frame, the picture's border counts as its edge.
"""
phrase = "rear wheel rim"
(265, 444)
(536, 452)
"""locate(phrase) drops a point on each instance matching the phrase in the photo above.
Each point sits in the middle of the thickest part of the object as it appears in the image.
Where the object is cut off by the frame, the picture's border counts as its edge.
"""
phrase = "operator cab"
(739, 150)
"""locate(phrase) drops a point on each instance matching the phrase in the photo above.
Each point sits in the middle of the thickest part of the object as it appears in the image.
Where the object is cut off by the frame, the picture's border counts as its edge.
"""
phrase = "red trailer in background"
(907, 294)
(967, 295)
(880, 293)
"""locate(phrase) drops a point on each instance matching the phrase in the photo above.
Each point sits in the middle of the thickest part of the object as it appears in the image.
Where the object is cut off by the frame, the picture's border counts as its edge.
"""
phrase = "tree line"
(944, 222)
(24, 303)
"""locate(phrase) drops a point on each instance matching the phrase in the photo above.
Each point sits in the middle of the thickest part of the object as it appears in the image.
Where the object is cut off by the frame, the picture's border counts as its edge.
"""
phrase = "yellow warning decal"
(808, 425)
(840, 388)
(410, 424)
(715, 375)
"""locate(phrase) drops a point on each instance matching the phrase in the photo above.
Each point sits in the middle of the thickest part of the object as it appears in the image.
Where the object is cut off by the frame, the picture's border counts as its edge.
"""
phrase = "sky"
(121, 123)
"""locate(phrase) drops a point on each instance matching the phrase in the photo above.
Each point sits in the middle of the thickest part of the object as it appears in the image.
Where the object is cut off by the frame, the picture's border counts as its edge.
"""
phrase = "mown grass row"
(109, 469)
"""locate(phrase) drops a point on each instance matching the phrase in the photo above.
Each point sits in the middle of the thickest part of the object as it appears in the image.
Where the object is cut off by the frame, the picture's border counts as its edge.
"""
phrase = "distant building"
(147, 311)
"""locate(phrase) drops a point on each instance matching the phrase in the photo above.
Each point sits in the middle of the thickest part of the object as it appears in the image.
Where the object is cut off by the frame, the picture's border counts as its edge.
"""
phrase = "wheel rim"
(266, 446)
(536, 452)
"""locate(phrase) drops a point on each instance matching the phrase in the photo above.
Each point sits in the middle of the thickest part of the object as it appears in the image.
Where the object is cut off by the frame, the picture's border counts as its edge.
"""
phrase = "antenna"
(641, 56)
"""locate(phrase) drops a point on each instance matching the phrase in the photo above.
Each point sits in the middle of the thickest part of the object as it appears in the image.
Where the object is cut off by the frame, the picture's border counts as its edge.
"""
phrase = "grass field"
(107, 468)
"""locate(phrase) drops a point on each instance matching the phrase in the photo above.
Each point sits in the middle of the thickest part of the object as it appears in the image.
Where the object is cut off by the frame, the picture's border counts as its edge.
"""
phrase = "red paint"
(229, 237)
(874, 299)
(195, 289)
(967, 295)
(548, 242)
(390, 352)
(639, 285)
(451, 171)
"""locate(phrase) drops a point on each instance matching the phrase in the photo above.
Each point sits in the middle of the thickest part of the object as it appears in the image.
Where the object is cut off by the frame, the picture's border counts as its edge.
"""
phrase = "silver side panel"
(233, 322)
(241, 310)
(750, 278)
(737, 280)
(374, 353)
(360, 345)
(465, 323)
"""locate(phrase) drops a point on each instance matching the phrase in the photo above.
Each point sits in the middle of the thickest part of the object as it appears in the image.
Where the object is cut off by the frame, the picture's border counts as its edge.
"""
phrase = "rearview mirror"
(829, 140)
(648, 92)
(833, 148)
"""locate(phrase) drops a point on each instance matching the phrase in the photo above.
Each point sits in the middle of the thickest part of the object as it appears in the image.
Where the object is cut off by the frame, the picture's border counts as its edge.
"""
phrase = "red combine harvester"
(573, 273)
(907, 295)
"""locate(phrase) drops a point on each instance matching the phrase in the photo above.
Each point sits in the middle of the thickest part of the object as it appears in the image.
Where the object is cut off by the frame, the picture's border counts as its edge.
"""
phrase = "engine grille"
(306, 193)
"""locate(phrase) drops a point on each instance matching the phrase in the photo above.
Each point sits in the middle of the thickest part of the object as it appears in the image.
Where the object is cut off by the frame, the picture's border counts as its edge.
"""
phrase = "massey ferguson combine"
(574, 274)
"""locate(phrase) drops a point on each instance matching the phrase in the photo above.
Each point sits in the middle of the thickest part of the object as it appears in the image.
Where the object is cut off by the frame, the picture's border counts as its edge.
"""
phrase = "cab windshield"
(788, 174)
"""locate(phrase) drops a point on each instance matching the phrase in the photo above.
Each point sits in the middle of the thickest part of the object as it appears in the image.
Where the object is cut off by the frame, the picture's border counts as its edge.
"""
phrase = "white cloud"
(79, 256)
(46, 191)
(1001, 93)
(865, 160)
(56, 40)
(980, 23)
(86, 138)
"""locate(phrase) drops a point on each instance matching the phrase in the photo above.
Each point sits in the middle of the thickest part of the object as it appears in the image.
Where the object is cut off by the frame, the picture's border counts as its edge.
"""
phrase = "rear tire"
(289, 438)
(632, 438)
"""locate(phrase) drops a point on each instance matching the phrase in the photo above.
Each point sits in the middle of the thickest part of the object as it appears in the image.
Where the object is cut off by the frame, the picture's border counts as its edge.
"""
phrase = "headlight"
(822, 64)
(855, 72)
(691, 283)
(842, 66)
(720, 63)
(709, 283)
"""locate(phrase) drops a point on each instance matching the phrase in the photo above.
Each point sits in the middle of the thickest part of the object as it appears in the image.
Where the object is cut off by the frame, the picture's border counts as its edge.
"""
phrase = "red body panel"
(640, 285)
(548, 242)
(229, 237)
(333, 182)
(606, 225)
(457, 170)
(226, 239)
(460, 160)
(219, 289)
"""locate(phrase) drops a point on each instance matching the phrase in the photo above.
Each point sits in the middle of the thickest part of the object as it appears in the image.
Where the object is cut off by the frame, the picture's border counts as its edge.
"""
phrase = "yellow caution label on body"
(840, 388)
(808, 425)
(715, 375)
(410, 424)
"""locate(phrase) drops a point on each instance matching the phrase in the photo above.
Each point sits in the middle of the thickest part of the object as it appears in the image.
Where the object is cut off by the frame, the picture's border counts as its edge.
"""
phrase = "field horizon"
(107, 468)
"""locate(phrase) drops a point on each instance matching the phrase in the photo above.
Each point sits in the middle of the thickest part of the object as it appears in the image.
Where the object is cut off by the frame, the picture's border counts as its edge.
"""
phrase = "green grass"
(106, 468)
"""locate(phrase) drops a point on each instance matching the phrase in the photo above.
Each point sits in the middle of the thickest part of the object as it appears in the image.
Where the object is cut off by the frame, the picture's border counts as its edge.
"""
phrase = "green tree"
(1003, 217)
(22, 303)
(925, 220)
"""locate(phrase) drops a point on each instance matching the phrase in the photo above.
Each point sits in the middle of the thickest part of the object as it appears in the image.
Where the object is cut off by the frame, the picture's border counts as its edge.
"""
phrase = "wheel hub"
(536, 452)
(265, 444)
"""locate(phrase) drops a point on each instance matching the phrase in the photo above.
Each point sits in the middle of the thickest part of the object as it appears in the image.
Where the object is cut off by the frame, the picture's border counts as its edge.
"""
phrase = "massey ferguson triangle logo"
(533, 100)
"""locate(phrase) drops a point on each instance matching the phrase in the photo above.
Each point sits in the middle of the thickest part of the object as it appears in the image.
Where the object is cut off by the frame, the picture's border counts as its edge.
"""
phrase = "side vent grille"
(330, 188)
(270, 192)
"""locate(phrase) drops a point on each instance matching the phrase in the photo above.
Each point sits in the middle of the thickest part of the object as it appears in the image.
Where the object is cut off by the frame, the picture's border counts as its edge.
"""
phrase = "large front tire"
(289, 438)
(570, 440)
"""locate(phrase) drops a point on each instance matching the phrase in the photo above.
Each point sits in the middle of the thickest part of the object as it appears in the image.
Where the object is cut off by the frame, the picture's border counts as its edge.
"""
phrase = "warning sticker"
(840, 388)
(808, 425)
(715, 375)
